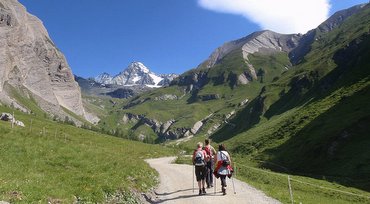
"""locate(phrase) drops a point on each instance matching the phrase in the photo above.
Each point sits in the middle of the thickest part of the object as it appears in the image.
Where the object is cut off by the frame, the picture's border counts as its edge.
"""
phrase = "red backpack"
(208, 152)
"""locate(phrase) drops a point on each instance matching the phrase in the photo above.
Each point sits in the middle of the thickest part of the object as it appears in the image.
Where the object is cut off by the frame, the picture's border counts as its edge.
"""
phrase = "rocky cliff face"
(263, 42)
(29, 61)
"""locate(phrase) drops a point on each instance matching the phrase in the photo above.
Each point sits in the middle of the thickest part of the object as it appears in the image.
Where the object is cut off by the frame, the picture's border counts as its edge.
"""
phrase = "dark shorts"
(200, 172)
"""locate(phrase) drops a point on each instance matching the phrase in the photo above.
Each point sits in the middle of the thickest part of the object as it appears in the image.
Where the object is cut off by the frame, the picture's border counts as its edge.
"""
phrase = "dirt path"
(176, 186)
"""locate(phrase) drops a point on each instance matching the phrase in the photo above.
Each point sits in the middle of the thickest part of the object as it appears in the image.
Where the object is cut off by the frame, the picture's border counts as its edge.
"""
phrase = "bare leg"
(223, 184)
(200, 187)
(203, 189)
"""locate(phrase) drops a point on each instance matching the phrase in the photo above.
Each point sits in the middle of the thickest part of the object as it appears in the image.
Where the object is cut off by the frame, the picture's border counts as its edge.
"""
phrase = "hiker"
(199, 161)
(223, 166)
(210, 151)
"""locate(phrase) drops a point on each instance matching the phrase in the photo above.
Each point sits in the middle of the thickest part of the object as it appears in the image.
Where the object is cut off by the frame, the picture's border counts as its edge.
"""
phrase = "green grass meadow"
(53, 162)
(305, 190)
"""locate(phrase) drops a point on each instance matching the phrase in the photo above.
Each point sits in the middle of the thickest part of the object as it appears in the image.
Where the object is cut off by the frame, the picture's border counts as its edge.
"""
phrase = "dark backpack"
(199, 158)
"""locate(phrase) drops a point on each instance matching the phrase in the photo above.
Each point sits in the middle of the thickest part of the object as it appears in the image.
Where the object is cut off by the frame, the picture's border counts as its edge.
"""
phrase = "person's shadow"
(178, 197)
(164, 194)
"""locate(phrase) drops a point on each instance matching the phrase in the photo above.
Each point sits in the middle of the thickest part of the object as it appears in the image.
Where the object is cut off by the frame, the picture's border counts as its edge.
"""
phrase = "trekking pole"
(193, 178)
(232, 180)
(215, 186)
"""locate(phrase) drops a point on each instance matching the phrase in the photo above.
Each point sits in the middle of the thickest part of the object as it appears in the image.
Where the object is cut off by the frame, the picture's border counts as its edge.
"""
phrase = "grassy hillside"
(215, 95)
(315, 119)
(313, 122)
(52, 162)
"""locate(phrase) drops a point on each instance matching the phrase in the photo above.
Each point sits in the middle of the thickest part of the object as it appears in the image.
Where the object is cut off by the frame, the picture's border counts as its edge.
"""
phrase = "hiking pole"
(215, 185)
(193, 178)
(232, 180)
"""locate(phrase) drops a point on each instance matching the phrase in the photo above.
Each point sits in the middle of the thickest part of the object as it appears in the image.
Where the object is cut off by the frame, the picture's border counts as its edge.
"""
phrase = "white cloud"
(283, 16)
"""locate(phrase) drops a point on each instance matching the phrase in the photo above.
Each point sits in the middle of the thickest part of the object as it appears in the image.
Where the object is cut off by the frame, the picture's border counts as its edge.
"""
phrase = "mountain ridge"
(136, 74)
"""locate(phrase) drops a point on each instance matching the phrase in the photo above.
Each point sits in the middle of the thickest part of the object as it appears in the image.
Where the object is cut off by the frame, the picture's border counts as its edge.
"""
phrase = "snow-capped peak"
(104, 78)
(138, 66)
(135, 74)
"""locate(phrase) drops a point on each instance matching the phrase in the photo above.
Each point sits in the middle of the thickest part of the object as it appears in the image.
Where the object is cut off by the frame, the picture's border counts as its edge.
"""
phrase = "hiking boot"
(200, 192)
(223, 191)
(204, 191)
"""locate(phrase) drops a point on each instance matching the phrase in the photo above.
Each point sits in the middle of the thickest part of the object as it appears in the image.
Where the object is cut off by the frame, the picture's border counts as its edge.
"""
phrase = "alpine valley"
(300, 101)
(289, 103)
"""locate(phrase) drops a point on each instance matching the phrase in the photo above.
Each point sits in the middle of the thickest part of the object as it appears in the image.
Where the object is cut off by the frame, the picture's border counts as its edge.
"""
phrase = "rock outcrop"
(10, 118)
(263, 42)
(6, 117)
(166, 97)
(33, 65)
(164, 129)
(196, 127)
(208, 97)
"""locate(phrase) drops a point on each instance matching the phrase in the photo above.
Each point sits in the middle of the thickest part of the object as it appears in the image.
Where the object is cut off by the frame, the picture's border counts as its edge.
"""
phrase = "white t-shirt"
(221, 155)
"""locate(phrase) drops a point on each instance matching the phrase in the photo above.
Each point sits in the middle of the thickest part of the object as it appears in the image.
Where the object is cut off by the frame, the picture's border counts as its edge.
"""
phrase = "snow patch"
(141, 66)
(155, 78)
(136, 78)
(153, 86)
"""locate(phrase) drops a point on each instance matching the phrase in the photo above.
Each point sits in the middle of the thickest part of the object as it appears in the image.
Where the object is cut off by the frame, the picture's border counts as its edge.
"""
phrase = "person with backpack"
(223, 166)
(199, 161)
(210, 151)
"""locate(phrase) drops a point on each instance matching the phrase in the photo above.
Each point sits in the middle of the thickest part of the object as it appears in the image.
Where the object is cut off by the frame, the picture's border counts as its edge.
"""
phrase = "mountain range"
(299, 101)
(133, 80)
(234, 73)
(136, 74)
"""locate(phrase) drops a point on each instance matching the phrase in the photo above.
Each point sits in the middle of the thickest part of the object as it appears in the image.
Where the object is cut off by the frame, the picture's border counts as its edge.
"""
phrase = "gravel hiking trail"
(176, 186)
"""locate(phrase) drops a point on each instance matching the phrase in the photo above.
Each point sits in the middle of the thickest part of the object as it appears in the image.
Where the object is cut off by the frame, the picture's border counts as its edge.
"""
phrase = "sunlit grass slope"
(49, 161)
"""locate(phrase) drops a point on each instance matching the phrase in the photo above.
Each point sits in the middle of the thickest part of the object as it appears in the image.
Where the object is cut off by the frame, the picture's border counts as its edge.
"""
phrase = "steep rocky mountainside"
(32, 67)
(241, 61)
(261, 42)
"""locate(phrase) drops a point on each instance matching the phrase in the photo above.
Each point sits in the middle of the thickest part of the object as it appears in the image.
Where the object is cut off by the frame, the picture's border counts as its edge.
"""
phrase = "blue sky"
(168, 36)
